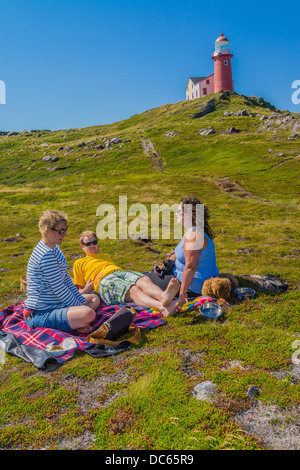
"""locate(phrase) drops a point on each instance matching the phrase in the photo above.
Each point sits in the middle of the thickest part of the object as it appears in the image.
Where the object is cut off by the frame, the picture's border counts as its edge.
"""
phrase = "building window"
(204, 91)
(225, 62)
(192, 96)
(196, 93)
(207, 82)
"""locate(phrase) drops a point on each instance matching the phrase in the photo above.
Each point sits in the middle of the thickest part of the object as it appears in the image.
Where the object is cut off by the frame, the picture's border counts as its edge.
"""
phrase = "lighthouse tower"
(222, 68)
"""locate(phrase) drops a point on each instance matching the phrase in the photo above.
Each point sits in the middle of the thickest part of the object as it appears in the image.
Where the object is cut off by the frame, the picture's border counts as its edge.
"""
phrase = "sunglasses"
(62, 231)
(94, 242)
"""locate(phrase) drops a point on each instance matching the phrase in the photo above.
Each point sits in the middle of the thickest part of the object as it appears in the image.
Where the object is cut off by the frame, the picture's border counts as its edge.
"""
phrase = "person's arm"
(67, 279)
(192, 257)
(75, 289)
(89, 287)
(49, 267)
(79, 281)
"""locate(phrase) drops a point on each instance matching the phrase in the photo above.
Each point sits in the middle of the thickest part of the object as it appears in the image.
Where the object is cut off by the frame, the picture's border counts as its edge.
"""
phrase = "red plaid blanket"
(13, 323)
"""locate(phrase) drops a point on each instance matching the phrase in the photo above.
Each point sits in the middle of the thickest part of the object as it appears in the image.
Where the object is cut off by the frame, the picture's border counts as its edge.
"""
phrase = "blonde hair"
(86, 233)
(50, 219)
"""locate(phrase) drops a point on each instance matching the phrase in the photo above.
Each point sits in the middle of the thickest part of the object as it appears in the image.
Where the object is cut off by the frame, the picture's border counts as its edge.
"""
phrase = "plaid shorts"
(114, 287)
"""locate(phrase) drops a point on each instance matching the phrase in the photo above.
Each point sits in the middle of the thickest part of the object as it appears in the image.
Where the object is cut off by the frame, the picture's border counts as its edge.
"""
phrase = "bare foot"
(170, 310)
(169, 294)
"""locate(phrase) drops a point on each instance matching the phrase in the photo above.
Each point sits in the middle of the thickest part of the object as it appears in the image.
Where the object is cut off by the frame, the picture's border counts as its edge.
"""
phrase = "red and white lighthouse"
(222, 68)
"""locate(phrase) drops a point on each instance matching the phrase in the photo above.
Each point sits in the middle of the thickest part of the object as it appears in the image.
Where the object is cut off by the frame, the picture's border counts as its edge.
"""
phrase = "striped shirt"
(48, 282)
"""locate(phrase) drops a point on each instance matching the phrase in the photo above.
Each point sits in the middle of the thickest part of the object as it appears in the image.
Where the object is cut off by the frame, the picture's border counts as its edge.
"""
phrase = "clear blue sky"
(74, 63)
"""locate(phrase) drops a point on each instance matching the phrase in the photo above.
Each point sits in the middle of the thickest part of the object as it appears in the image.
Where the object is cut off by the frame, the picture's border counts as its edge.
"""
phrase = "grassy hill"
(240, 156)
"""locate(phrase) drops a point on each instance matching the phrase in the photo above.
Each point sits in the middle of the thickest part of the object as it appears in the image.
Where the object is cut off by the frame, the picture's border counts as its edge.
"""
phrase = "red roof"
(222, 38)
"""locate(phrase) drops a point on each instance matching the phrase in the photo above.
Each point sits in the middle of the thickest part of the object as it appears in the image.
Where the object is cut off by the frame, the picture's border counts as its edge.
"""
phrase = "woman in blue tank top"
(194, 257)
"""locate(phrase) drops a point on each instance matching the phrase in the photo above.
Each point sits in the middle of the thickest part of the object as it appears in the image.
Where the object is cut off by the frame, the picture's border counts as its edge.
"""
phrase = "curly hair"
(194, 201)
(50, 219)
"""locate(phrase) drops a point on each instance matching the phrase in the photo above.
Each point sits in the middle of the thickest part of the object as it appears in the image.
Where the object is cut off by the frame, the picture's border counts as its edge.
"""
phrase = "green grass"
(154, 415)
(142, 398)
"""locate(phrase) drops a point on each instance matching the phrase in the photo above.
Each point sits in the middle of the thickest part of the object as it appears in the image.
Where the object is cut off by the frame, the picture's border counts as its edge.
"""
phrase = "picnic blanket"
(32, 345)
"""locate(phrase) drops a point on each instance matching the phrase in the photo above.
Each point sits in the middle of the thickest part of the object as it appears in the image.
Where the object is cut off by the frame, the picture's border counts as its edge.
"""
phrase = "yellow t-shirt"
(93, 267)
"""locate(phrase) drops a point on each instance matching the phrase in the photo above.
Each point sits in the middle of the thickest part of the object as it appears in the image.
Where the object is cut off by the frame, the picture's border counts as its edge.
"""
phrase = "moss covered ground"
(142, 399)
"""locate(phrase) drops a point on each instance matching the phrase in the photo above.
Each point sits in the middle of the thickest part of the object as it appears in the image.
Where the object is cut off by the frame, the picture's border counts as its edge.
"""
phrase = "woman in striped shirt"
(52, 299)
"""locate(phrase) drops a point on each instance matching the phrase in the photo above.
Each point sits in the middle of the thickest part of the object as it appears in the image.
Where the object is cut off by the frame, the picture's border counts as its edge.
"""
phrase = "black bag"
(116, 326)
(167, 268)
(119, 323)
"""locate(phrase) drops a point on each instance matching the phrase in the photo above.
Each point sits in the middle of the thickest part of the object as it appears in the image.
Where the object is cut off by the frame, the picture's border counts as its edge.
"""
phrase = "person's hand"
(88, 287)
(90, 298)
(172, 255)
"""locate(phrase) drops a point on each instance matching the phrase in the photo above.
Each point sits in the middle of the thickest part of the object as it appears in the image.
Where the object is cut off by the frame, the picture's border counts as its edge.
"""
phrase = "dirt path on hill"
(156, 161)
(285, 161)
(224, 184)
(236, 190)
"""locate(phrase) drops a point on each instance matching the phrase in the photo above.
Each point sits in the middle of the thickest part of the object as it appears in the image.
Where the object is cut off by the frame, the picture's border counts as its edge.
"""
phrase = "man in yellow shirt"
(98, 272)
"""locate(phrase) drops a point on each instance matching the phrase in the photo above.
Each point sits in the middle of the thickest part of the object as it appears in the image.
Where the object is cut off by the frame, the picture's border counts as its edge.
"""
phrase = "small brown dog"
(220, 286)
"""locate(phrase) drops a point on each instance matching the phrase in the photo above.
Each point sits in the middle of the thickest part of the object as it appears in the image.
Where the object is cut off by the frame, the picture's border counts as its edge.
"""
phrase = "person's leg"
(121, 287)
(160, 281)
(63, 318)
(138, 296)
(165, 297)
(80, 318)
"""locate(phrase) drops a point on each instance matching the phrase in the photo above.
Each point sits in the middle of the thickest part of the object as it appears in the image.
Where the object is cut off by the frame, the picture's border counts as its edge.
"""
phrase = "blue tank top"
(206, 266)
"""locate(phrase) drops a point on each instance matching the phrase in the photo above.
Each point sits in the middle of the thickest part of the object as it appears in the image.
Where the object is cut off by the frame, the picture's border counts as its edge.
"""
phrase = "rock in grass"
(207, 131)
(205, 391)
(49, 158)
(253, 392)
(115, 140)
(206, 108)
(10, 134)
(171, 133)
(242, 112)
(56, 168)
(225, 96)
(10, 239)
(232, 130)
